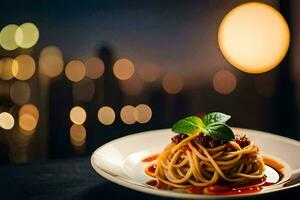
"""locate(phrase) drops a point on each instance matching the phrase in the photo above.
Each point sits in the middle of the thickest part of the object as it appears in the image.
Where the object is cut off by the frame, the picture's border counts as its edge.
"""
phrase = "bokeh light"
(75, 70)
(132, 86)
(94, 67)
(27, 35)
(77, 135)
(143, 113)
(149, 72)
(23, 67)
(27, 123)
(254, 37)
(123, 69)
(51, 61)
(77, 115)
(28, 118)
(27, 133)
(106, 115)
(20, 92)
(7, 37)
(224, 82)
(6, 68)
(127, 114)
(84, 90)
(7, 121)
(172, 83)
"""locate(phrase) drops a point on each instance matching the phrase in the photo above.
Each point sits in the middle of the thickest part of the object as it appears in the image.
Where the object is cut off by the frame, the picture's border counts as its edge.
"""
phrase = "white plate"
(120, 160)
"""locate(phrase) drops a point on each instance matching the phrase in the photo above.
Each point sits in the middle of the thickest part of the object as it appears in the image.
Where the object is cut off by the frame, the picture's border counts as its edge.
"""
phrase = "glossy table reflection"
(72, 179)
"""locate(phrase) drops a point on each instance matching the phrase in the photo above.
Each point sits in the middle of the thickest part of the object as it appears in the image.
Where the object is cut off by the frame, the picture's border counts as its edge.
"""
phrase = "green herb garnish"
(212, 125)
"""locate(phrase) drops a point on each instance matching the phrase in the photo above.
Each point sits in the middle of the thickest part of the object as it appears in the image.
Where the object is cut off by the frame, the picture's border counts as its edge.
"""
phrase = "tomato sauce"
(150, 158)
(247, 188)
(274, 164)
(152, 168)
(157, 184)
(225, 188)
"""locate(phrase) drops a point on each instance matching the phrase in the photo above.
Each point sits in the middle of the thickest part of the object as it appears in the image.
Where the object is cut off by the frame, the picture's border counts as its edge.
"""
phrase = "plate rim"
(166, 193)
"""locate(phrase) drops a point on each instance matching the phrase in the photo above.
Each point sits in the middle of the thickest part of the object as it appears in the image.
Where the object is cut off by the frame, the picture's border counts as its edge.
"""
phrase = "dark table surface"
(72, 179)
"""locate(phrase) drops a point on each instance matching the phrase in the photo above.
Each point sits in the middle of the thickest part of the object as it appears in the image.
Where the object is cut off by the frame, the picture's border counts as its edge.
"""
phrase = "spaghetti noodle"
(189, 162)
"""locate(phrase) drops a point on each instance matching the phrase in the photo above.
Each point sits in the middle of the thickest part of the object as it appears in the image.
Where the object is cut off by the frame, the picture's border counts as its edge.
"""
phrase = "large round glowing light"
(123, 69)
(94, 67)
(23, 67)
(127, 114)
(106, 115)
(75, 70)
(27, 35)
(51, 61)
(7, 121)
(78, 115)
(7, 37)
(254, 37)
(20, 92)
(143, 113)
(224, 82)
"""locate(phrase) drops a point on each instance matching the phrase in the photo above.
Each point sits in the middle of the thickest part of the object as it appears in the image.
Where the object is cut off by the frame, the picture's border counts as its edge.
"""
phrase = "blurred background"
(77, 74)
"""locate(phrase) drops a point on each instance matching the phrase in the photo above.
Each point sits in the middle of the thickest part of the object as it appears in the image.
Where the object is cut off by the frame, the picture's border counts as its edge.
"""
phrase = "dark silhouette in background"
(285, 104)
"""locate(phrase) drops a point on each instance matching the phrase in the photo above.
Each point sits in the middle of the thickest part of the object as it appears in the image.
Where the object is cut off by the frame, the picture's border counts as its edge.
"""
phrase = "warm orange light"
(77, 135)
(27, 122)
(106, 115)
(149, 73)
(143, 113)
(172, 83)
(132, 86)
(31, 110)
(127, 114)
(6, 68)
(7, 121)
(51, 61)
(94, 67)
(78, 115)
(254, 37)
(28, 119)
(123, 69)
(224, 82)
(84, 90)
(75, 70)
(20, 92)
(23, 67)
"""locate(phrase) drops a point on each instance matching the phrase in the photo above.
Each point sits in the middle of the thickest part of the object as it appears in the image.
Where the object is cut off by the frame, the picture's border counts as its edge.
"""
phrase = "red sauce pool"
(247, 188)
(150, 158)
(251, 187)
(157, 184)
(152, 168)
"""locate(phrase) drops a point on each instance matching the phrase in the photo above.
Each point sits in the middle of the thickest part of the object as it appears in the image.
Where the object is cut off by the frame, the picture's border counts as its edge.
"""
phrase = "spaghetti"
(188, 161)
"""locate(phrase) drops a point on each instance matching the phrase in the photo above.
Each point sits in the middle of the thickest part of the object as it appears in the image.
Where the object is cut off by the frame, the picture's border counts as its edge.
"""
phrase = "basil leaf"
(188, 125)
(215, 117)
(219, 131)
